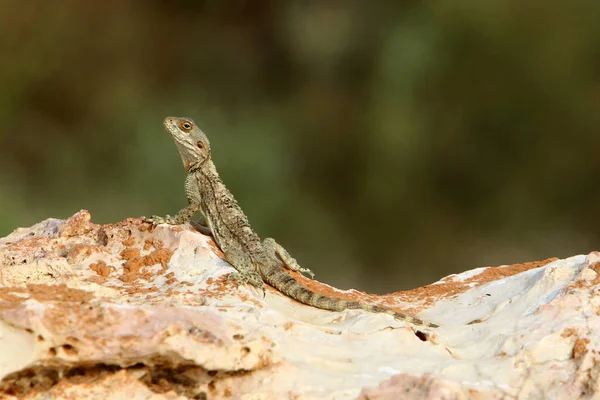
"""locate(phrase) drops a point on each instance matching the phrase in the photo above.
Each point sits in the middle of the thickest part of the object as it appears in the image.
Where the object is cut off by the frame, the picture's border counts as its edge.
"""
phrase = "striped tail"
(286, 284)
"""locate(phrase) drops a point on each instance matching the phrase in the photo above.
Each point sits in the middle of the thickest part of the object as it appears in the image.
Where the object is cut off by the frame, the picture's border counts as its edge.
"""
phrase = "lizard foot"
(277, 251)
(292, 264)
(155, 220)
(251, 277)
(306, 271)
(300, 269)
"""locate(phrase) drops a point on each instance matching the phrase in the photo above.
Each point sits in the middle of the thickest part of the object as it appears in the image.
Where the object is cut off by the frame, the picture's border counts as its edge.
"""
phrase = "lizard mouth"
(169, 124)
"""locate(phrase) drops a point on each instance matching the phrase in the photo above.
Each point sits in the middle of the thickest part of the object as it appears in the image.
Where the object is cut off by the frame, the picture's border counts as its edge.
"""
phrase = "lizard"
(255, 262)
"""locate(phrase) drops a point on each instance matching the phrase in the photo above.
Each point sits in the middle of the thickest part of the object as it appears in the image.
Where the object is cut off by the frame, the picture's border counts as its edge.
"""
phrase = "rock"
(129, 311)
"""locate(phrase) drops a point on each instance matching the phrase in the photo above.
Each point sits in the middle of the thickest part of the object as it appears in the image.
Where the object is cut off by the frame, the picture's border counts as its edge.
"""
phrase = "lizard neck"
(197, 166)
(206, 168)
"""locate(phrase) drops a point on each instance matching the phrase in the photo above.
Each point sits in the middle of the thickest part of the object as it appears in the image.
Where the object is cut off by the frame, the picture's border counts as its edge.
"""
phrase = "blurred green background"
(384, 144)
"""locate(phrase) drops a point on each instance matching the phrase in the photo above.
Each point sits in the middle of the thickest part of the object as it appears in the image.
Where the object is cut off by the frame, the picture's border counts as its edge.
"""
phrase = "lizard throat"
(193, 167)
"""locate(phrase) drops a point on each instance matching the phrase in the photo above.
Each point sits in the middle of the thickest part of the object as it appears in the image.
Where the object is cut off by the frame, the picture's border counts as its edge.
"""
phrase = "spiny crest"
(192, 143)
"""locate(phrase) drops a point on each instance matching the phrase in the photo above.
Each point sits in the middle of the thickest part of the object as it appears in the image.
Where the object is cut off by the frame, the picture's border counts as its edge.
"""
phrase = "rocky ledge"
(128, 311)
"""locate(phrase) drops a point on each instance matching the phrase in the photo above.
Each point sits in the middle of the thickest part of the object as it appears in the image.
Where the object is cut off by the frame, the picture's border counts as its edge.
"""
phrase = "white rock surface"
(127, 312)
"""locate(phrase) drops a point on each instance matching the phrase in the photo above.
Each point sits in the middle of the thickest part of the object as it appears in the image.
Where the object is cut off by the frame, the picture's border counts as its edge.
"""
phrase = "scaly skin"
(256, 262)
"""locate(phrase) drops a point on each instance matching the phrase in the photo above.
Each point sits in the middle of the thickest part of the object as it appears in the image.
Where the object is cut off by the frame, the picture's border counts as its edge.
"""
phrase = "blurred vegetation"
(384, 144)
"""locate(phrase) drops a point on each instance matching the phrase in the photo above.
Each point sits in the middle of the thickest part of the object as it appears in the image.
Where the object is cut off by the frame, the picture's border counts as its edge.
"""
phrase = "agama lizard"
(256, 262)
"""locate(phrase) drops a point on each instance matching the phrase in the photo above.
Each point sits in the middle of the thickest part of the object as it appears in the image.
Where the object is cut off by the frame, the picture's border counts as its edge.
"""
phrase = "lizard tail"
(398, 315)
(286, 284)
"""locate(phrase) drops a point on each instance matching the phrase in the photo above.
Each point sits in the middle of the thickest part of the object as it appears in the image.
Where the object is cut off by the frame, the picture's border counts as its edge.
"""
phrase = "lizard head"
(191, 142)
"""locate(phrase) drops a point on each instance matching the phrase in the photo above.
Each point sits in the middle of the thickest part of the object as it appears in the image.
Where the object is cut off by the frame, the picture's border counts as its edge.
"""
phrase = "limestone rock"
(126, 311)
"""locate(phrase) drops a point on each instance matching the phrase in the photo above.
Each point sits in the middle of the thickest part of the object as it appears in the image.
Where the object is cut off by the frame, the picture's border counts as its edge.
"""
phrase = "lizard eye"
(187, 126)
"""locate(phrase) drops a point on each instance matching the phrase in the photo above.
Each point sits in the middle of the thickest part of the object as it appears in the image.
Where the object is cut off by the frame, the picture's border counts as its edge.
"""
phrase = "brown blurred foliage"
(385, 144)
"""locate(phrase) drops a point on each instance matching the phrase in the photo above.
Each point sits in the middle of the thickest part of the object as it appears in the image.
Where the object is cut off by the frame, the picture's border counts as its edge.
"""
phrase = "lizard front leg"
(186, 213)
(276, 251)
(182, 216)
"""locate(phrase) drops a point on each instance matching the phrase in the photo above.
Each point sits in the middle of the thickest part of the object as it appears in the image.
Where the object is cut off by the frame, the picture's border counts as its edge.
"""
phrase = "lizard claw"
(251, 277)
(308, 272)
(156, 220)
